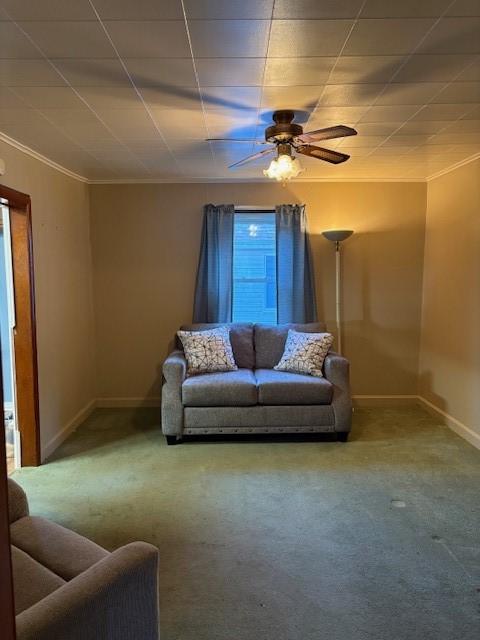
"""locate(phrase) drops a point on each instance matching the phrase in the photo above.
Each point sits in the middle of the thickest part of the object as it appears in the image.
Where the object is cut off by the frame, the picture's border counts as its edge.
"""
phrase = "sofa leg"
(171, 440)
(342, 436)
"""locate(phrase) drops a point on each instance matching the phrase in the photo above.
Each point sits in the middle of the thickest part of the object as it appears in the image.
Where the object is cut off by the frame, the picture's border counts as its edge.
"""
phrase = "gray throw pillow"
(208, 351)
(305, 353)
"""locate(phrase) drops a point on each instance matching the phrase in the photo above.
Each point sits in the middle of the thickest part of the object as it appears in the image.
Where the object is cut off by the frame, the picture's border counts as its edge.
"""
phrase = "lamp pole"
(337, 236)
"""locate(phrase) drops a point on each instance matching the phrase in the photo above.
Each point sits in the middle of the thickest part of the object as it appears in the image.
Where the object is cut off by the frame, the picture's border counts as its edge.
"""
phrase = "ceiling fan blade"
(255, 156)
(323, 154)
(251, 140)
(339, 131)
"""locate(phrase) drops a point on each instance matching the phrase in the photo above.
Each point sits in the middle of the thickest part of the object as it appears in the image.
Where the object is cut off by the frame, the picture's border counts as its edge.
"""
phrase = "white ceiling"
(130, 89)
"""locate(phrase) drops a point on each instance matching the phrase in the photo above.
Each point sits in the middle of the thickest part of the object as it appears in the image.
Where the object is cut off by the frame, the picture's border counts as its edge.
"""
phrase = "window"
(254, 267)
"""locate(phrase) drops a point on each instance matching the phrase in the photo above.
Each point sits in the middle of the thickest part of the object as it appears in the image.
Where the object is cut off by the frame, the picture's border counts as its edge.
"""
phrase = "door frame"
(24, 335)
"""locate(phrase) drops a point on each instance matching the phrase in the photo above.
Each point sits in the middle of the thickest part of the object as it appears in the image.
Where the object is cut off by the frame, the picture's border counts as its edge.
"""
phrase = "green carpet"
(374, 539)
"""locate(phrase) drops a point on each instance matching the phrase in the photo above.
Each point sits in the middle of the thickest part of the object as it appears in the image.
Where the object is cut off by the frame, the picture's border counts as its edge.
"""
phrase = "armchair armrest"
(174, 373)
(17, 501)
(115, 599)
(337, 371)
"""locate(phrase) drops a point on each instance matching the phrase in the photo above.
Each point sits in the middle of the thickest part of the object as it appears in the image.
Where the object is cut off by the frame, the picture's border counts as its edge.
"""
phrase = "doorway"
(18, 333)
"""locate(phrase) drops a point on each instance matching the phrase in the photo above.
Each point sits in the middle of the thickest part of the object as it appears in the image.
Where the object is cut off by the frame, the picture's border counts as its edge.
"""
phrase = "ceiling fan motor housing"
(284, 130)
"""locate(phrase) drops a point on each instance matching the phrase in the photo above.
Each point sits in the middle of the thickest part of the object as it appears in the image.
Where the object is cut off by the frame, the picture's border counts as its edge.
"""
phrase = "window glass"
(254, 268)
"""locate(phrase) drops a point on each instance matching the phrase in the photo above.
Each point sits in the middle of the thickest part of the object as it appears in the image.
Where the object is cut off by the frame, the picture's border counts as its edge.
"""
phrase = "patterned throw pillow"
(208, 351)
(305, 353)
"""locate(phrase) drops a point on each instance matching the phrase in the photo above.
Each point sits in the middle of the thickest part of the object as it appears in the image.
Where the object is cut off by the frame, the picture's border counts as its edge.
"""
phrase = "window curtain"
(295, 279)
(213, 291)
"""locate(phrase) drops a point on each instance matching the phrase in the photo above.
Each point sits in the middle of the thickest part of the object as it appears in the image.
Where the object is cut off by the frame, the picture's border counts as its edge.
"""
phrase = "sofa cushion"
(229, 389)
(64, 552)
(270, 341)
(241, 337)
(280, 387)
(31, 581)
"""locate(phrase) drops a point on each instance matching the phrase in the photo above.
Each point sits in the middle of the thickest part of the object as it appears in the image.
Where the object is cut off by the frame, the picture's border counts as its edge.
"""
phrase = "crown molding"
(244, 180)
(76, 176)
(38, 156)
(457, 165)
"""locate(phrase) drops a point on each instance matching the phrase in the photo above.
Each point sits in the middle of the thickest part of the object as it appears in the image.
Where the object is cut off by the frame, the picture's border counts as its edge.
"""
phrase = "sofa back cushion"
(241, 337)
(270, 340)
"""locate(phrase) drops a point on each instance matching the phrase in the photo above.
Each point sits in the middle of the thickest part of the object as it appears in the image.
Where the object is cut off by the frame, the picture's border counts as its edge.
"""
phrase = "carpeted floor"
(375, 539)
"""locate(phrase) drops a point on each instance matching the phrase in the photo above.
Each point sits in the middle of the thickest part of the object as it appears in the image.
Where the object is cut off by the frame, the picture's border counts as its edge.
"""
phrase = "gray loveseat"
(256, 398)
(68, 588)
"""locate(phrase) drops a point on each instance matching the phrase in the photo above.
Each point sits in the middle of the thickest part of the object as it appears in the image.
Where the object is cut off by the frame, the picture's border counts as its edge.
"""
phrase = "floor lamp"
(337, 236)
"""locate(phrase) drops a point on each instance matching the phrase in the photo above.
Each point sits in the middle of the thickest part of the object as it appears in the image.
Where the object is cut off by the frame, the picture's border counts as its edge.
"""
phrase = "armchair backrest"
(17, 501)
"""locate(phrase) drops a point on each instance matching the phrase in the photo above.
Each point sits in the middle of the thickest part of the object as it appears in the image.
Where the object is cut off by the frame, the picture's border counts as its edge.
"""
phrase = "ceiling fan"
(286, 137)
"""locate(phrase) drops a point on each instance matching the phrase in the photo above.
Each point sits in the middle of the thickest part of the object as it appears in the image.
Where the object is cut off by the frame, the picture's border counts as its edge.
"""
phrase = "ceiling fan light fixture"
(283, 168)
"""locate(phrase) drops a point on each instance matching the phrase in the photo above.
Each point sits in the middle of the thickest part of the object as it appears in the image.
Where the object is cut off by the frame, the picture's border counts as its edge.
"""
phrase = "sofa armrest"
(175, 368)
(174, 373)
(17, 501)
(337, 371)
(115, 599)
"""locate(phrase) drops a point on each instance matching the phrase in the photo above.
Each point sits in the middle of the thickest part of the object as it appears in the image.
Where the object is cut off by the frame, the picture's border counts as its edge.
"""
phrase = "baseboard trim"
(128, 403)
(455, 425)
(69, 428)
(383, 401)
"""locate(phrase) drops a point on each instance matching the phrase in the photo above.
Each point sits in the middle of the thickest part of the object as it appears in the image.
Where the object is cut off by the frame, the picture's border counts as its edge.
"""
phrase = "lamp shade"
(337, 235)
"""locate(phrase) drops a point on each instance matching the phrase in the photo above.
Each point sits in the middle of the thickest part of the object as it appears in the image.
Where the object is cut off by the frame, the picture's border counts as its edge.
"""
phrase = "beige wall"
(61, 236)
(145, 242)
(449, 375)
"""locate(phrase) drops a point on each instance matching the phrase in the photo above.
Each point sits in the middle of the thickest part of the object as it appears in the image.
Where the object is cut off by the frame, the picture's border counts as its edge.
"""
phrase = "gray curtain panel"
(295, 279)
(213, 291)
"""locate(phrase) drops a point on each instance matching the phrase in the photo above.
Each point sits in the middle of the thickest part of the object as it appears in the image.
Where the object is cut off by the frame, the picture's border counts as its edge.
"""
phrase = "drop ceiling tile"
(111, 97)
(423, 127)
(230, 72)
(350, 94)
(184, 98)
(404, 9)
(471, 71)
(139, 10)
(397, 93)
(19, 116)
(361, 140)
(232, 10)
(313, 9)
(441, 112)
(50, 97)
(377, 128)
(28, 73)
(463, 126)
(465, 8)
(93, 72)
(149, 39)
(47, 9)
(462, 92)
(401, 139)
(365, 69)
(14, 44)
(9, 99)
(435, 68)
(389, 113)
(453, 35)
(229, 38)
(61, 117)
(340, 115)
(179, 124)
(231, 97)
(396, 151)
(292, 71)
(229, 124)
(455, 138)
(73, 39)
(386, 37)
(128, 118)
(155, 72)
(293, 97)
(298, 38)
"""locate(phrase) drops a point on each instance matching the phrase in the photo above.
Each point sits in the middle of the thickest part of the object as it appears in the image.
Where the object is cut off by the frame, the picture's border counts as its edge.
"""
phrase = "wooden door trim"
(25, 341)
